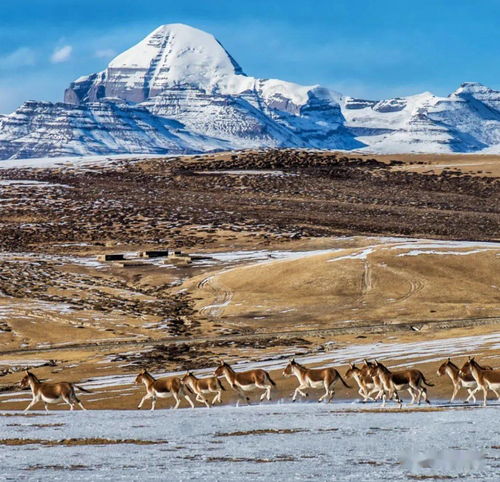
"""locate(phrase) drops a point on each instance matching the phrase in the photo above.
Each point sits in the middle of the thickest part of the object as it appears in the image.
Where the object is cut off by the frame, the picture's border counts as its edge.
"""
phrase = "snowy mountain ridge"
(179, 91)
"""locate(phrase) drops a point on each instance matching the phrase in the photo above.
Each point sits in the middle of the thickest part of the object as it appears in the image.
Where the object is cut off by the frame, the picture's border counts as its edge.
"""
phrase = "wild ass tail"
(270, 379)
(343, 381)
(426, 382)
(83, 389)
(220, 385)
(186, 388)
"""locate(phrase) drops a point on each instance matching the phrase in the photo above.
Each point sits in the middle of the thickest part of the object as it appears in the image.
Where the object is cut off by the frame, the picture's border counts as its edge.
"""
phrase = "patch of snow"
(71, 161)
(284, 441)
(415, 252)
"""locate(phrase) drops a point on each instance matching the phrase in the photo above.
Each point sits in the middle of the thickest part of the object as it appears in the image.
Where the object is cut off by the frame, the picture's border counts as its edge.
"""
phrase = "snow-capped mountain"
(170, 56)
(468, 120)
(183, 73)
(39, 129)
(179, 90)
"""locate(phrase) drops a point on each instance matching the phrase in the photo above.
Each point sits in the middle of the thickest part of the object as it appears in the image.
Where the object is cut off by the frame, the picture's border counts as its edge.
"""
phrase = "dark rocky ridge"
(180, 202)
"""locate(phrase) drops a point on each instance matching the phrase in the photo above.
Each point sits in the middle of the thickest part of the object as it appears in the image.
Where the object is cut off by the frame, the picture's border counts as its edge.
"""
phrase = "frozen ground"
(81, 162)
(340, 441)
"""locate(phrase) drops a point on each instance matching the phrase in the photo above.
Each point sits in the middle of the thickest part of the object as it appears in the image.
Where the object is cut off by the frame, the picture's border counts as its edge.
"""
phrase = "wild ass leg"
(267, 392)
(332, 394)
(299, 390)
(395, 396)
(177, 400)
(415, 390)
(202, 399)
(188, 399)
(456, 388)
(241, 396)
(264, 394)
(366, 396)
(385, 389)
(366, 393)
(77, 400)
(472, 394)
(424, 395)
(370, 392)
(144, 398)
(70, 402)
(33, 401)
(217, 397)
(495, 392)
(392, 395)
(327, 392)
(363, 394)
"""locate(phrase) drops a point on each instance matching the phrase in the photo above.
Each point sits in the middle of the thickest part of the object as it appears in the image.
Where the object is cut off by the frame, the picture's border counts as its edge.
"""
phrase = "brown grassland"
(396, 257)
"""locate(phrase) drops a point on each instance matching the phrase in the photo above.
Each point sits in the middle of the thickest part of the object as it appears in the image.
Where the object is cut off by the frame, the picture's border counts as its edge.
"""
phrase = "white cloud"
(105, 53)
(21, 57)
(61, 54)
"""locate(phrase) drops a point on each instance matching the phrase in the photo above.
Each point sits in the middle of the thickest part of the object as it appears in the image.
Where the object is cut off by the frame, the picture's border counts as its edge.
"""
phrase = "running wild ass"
(204, 386)
(51, 392)
(162, 388)
(363, 379)
(314, 378)
(391, 382)
(485, 379)
(246, 381)
(466, 380)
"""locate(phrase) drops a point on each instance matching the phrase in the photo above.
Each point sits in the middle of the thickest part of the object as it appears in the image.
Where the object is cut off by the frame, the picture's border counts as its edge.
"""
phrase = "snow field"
(340, 441)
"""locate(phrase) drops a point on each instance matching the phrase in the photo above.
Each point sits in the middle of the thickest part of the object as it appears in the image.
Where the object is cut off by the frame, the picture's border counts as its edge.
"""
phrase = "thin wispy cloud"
(105, 53)
(61, 54)
(21, 57)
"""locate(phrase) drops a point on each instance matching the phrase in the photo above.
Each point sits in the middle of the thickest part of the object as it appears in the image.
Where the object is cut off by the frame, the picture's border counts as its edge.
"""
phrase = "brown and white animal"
(314, 378)
(466, 381)
(162, 388)
(204, 386)
(51, 392)
(391, 382)
(363, 379)
(485, 379)
(246, 381)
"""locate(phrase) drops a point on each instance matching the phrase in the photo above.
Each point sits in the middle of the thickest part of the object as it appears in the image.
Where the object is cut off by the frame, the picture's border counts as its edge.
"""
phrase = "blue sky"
(367, 48)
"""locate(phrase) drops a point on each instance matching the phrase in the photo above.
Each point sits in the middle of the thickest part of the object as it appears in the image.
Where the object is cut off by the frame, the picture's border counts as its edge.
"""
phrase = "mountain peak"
(175, 47)
(472, 88)
(182, 76)
(172, 55)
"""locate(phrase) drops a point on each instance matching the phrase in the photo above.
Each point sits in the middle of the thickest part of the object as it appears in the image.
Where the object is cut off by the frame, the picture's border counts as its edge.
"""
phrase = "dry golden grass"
(472, 164)
(325, 290)
(343, 287)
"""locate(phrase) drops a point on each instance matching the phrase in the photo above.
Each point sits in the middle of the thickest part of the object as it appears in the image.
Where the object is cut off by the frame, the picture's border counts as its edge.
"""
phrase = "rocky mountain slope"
(180, 91)
(467, 120)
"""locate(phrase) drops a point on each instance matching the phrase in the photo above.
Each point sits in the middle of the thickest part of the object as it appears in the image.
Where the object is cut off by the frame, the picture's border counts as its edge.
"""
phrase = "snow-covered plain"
(340, 441)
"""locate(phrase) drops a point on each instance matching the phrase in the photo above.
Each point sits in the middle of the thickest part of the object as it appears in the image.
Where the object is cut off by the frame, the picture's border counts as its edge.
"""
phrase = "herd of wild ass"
(374, 379)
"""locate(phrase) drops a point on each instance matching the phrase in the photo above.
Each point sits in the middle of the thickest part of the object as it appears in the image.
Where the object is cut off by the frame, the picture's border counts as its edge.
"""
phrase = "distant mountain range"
(179, 91)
